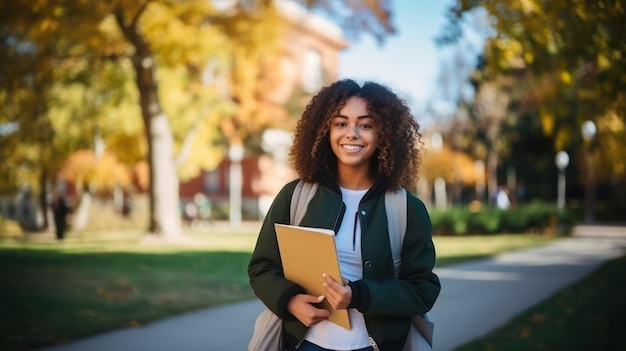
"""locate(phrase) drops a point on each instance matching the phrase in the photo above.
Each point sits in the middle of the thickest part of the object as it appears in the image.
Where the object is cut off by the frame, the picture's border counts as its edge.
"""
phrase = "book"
(306, 253)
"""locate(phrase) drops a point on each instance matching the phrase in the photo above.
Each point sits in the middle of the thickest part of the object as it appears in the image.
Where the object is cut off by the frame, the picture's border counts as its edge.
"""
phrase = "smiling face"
(353, 137)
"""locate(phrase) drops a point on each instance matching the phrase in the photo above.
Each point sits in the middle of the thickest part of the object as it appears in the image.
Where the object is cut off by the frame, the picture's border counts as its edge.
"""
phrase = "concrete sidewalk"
(476, 297)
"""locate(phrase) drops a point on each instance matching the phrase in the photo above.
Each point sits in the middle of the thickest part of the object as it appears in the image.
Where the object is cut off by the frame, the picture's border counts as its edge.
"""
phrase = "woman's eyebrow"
(359, 117)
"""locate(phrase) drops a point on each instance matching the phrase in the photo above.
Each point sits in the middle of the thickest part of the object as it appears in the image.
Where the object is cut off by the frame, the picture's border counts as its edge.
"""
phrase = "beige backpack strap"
(302, 195)
(396, 209)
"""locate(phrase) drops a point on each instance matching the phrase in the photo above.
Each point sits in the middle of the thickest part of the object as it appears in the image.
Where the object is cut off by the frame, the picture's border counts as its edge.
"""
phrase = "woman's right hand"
(301, 306)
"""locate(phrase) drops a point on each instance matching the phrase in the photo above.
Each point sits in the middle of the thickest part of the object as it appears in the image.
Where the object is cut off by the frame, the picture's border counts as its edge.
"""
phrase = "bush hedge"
(536, 217)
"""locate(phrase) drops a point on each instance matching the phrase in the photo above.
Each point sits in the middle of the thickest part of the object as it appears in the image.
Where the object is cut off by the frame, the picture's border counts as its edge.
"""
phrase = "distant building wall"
(263, 177)
(311, 47)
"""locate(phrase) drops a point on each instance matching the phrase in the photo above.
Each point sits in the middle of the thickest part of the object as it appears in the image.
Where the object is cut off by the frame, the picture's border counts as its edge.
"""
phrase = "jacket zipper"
(356, 219)
(373, 343)
(299, 343)
(337, 224)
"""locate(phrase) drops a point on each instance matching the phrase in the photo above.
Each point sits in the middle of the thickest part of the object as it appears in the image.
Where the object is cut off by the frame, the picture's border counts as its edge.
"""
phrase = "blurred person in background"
(59, 214)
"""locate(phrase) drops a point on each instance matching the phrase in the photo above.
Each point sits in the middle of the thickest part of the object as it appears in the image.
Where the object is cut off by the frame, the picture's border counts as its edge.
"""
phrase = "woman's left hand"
(339, 295)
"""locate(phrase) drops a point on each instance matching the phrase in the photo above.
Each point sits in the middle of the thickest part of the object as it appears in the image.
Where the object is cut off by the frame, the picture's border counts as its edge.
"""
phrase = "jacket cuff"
(360, 296)
(283, 301)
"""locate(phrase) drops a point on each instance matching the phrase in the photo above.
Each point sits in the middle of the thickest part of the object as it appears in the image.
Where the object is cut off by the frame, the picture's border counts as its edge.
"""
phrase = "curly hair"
(398, 153)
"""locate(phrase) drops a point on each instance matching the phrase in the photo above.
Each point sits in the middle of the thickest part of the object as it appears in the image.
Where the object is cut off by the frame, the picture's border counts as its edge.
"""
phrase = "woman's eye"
(340, 124)
(366, 126)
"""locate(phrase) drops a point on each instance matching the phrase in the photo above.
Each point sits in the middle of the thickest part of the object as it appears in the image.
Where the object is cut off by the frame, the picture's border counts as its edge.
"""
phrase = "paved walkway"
(476, 297)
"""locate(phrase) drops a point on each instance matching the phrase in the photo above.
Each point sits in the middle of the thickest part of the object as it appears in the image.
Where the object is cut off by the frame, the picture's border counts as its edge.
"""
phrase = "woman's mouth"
(352, 148)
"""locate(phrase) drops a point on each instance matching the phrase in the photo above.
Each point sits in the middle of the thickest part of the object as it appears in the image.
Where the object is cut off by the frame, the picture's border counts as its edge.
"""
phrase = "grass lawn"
(54, 293)
(589, 315)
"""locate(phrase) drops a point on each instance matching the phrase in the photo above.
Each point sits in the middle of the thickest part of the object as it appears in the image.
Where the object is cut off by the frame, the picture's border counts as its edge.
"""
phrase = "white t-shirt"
(348, 241)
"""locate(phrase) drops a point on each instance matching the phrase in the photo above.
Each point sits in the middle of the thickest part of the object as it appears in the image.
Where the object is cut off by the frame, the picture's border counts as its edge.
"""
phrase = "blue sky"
(409, 61)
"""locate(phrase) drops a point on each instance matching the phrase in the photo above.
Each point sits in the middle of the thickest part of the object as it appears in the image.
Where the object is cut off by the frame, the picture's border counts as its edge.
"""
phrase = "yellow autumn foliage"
(104, 173)
(453, 166)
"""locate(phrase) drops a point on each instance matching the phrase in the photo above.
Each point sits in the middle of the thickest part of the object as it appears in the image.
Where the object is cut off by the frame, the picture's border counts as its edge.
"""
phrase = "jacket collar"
(380, 186)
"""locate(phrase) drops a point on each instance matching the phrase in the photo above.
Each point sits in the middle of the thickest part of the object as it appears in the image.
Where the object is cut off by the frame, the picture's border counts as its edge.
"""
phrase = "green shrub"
(450, 222)
(486, 221)
(537, 217)
(515, 221)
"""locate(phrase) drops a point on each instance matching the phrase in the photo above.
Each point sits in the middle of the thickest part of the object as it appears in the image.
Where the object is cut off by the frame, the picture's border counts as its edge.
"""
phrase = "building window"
(312, 79)
(211, 182)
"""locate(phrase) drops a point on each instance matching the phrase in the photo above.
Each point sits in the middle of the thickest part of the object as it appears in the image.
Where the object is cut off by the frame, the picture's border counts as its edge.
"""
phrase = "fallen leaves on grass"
(118, 293)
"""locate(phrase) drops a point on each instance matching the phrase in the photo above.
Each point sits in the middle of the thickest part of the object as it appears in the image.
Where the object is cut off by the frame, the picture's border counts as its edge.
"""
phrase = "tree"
(172, 34)
(163, 177)
(59, 97)
(28, 76)
(152, 36)
(564, 61)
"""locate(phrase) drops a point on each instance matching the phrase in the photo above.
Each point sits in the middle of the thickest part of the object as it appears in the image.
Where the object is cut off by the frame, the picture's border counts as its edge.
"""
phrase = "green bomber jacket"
(386, 301)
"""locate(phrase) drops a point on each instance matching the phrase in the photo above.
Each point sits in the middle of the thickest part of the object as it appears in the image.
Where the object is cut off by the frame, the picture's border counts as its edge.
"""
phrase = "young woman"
(356, 142)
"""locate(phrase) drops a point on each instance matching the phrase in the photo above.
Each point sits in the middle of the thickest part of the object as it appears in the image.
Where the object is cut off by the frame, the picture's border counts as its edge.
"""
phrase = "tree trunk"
(163, 177)
(164, 197)
(81, 213)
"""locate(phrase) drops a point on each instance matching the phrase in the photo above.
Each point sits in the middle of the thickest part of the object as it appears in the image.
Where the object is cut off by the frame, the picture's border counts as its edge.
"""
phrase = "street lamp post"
(235, 154)
(588, 130)
(439, 184)
(562, 160)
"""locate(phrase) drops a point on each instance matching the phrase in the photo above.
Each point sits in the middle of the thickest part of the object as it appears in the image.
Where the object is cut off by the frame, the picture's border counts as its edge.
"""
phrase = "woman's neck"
(355, 181)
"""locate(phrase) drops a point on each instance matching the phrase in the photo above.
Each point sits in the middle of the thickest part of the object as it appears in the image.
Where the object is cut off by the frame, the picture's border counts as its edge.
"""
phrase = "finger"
(314, 299)
(338, 295)
(319, 314)
(328, 278)
(330, 281)
(320, 298)
(333, 287)
(322, 313)
(315, 321)
(333, 297)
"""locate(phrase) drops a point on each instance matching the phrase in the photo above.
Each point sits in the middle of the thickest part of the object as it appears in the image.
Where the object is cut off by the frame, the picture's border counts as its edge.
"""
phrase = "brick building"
(310, 59)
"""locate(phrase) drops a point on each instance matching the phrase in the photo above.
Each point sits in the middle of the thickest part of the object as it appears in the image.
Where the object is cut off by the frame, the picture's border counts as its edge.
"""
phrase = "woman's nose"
(353, 132)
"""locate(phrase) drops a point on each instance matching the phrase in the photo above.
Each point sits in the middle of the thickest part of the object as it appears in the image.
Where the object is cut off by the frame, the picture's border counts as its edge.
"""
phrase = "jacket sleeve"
(417, 287)
(265, 269)
(419, 254)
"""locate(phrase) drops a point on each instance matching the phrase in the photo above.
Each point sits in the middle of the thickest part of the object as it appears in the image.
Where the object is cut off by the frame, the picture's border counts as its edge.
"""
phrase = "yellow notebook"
(306, 253)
